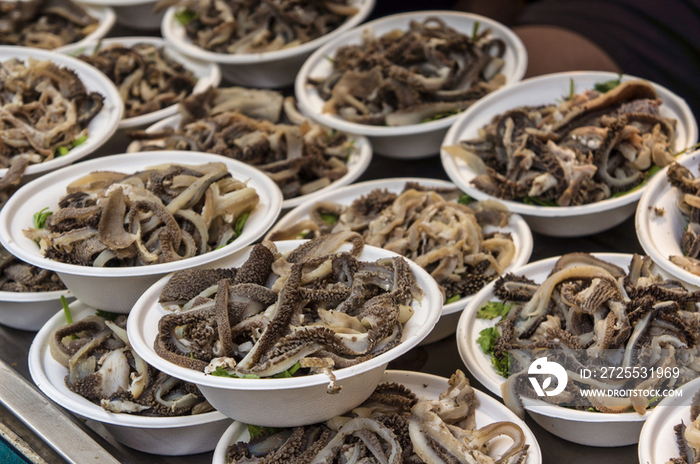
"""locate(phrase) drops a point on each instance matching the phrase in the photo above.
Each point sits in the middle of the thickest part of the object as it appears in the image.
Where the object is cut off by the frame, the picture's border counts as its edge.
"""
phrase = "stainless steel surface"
(440, 358)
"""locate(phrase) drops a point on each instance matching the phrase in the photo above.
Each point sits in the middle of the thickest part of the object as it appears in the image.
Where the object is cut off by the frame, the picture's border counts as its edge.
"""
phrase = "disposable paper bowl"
(30, 310)
(446, 326)
(207, 74)
(104, 15)
(291, 401)
(357, 164)
(660, 235)
(170, 436)
(117, 289)
(425, 386)
(657, 442)
(573, 221)
(415, 140)
(100, 128)
(134, 14)
(267, 69)
(586, 428)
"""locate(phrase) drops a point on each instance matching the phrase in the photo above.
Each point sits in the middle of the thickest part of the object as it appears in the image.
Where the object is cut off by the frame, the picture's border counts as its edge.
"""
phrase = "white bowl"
(446, 326)
(572, 221)
(207, 74)
(415, 140)
(357, 164)
(104, 15)
(586, 428)
(134, 14)
(117, 289)
(660, 236)
(657, 442)
(170, 436)
(102, 126)
(303, 399)
(425, 386)
(267, 69)
(30, 310)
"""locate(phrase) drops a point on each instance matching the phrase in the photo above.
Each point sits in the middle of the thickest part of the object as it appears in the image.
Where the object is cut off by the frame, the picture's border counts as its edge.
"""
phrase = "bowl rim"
(33, 297)
(135, 329)
(85, 408)
(393, 375)
(353, 35)
(212, 77)
(356, 167)
(648, 434)
(453, 135)
(355, 190)
(491, 380)
(269, 192)
(99, 135)
(105, 15)
(658, 186)
(169, 25)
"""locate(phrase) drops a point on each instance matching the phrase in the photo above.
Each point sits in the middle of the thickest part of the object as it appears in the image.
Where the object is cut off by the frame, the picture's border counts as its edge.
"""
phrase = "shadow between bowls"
(303, 400)
(168, 436)
(574, 221)
(447, 325)
(117, 289)
(583, 427)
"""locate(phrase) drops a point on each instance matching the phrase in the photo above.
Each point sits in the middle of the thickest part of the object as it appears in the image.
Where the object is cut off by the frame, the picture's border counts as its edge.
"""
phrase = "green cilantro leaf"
(493, 309)
(487, 338)
(256, 431)
(62, 151)
(501, 366)
(240, 223)
(41, 217)
(329, 219)
(221, 372)
(185, 16)
(79, 141)
(606, 86)
(465, 199)
(453, 298)
(538, 202)
(106, 315)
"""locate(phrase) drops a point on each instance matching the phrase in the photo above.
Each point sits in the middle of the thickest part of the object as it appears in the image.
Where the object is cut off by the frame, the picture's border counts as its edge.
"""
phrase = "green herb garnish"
(538, 202)
(501, 366)
(62, 151)
(221, 372)
(487, 338)
(185, 16)
(106, 315)
(191, 355)
(493, 309)
(240, 223)
(330, 135)
(79, 141)
(331, 60)
(78, 52)
(41, 217)
(256, 431)
(475, 30)
(288, 373)
(453, 298)
(465, 199)
(437, 117)
(606, 86)
(329, 219)
(686, 150)
(66, 310)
